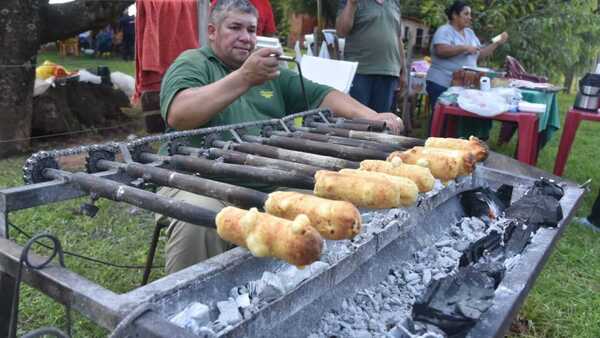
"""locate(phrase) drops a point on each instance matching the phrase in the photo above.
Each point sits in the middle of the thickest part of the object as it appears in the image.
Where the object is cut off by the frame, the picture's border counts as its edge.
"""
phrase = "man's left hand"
(392, 121)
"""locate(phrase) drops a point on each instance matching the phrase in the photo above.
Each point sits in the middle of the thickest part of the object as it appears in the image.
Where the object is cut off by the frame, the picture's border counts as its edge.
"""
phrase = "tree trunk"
(19, 41)
(569, 77)
(24, 25)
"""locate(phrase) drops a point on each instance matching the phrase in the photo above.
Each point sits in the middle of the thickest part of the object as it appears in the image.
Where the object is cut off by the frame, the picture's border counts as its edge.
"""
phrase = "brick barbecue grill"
(367, 286)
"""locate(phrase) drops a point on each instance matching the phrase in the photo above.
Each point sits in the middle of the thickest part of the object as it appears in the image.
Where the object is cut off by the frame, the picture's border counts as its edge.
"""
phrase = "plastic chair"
(527, 148)
(572, 121)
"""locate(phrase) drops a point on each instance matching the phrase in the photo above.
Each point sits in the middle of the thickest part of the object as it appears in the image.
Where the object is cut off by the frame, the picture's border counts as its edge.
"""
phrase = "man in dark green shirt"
(372, 29)
(228, 82)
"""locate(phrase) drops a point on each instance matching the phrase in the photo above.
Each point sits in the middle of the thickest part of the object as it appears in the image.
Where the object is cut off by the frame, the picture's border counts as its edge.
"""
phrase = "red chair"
(574, 118)
(527, 123)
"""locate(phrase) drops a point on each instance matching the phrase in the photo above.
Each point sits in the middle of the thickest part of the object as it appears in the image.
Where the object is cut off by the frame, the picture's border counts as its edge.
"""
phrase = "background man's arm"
(343, 105)
(345, 21)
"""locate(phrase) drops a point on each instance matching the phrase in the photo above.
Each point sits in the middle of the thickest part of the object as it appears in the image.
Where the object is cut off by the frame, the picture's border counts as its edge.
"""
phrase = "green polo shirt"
(373, 39)
(273, 99)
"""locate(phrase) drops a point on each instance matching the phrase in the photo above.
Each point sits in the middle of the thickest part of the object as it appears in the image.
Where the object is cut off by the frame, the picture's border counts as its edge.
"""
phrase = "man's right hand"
(261, 66)
(471, 49)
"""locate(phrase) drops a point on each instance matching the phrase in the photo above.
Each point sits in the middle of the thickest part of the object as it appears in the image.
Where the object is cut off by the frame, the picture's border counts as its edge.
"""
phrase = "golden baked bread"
(442, 166)
(264, 235)
(475, 146)
(420, 175)
(363, 192)
(333, 219)
(407, 188)
(465, 159)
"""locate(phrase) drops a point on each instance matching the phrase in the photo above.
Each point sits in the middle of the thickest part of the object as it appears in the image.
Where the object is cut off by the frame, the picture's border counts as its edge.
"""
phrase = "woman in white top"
(453, 46)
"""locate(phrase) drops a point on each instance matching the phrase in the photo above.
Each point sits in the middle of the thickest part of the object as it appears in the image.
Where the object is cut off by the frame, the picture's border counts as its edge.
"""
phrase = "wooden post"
(317, 31)
(7, 285)
(203, 22)
(406, 106)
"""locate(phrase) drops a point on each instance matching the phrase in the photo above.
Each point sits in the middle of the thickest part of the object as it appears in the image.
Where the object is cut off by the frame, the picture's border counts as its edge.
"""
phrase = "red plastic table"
(572, 121)
(527, 123)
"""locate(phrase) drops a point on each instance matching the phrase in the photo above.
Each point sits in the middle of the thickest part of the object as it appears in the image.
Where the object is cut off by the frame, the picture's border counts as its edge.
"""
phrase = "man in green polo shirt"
(228, 82)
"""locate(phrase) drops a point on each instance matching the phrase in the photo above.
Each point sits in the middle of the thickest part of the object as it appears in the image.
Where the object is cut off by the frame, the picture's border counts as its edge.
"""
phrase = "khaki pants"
(187, 243)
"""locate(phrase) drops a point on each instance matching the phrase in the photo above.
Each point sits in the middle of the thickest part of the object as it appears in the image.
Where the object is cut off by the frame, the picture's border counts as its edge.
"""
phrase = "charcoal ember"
(516, 238)
(493, 269)
(455, 303)
(540, 210)
(540, 206)
(546, 187)
(490, 244)
(483, 202)
(504, 193)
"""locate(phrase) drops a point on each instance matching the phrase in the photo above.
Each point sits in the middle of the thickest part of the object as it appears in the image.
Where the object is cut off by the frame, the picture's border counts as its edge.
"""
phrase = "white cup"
(484, 84)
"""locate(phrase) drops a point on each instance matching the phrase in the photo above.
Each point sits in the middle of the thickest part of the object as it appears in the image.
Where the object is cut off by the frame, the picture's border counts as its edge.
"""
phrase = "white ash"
(380, 310)
(372, 222)
(193, 317)
(248, 299)
(437, 187)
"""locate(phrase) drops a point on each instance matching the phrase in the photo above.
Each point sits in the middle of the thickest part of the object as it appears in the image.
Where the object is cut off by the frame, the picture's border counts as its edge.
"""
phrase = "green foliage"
(550, 37)
(281, 12)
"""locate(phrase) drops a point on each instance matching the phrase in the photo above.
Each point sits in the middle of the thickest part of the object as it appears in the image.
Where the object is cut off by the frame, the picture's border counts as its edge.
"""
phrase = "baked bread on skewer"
(445, 164)
(334, 220)
(420, 175)
(408, 189)
(475, 146)
(363, 192)
(264, 235)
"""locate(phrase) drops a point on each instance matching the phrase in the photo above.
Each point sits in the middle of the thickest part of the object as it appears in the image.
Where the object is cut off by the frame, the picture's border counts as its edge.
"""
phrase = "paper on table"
(532, 107)
(334, 73)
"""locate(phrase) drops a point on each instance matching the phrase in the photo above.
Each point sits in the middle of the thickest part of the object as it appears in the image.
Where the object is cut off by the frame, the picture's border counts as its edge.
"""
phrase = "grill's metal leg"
(7, 286)
(151, 252)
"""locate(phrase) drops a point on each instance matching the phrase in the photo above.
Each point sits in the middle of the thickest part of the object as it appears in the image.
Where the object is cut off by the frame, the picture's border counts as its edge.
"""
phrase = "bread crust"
(334, 220)
(408, 189)
(363, 192)
(420, 175)
(475, 146)
(445, 164)
(264, 235)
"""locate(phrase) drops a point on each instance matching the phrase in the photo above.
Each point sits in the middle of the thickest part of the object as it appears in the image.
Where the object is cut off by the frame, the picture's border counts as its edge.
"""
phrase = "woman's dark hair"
(455, 8)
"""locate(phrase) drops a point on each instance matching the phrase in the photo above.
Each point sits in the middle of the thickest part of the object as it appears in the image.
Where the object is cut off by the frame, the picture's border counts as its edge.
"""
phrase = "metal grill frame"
(107, 308)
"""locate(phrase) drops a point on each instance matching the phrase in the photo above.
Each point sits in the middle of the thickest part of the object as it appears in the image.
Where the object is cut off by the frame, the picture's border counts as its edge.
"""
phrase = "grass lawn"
(73, 63)
(564, 302)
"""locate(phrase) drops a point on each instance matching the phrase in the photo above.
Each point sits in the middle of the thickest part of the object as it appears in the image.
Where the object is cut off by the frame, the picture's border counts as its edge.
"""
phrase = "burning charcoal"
(541, 210)
(440, 304)
(482, 203)
(193, 317)
(546, 187)
(487, 244)
(504, 193)
(229, 312)
(495, 270)
(517, 237)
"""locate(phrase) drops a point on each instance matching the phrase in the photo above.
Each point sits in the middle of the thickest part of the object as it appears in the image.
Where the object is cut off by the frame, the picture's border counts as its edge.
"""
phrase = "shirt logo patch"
(267, 94)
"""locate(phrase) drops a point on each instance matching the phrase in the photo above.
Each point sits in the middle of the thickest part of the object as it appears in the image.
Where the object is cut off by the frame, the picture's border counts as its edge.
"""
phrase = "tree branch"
(60, 21)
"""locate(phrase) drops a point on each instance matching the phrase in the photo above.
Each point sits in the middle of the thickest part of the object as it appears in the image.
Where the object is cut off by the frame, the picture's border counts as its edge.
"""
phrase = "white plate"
(486, 104)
